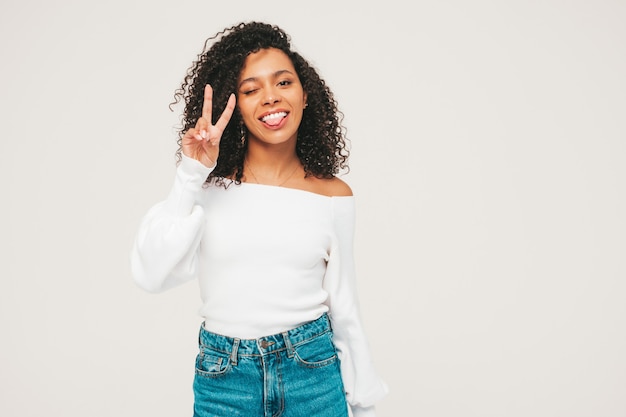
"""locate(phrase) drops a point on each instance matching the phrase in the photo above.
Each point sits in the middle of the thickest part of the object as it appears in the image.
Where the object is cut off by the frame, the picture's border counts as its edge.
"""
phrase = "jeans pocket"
(317, 352)
(211, 363)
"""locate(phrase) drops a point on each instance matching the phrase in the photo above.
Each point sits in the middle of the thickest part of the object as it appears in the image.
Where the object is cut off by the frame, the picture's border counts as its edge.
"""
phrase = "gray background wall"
(488, 162)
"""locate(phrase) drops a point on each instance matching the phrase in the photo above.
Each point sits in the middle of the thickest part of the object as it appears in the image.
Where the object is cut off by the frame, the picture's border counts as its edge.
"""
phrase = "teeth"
(274, 116)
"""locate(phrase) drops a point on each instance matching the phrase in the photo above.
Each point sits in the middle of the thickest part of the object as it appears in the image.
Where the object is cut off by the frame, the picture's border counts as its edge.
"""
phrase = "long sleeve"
(164, 253)
(363, 386)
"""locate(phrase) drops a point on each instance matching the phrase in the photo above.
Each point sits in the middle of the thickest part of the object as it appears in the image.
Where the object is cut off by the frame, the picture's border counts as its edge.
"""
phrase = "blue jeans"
(292, 374)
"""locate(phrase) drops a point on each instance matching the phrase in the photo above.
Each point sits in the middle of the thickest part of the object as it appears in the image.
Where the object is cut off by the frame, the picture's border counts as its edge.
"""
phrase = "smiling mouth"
(274, 119)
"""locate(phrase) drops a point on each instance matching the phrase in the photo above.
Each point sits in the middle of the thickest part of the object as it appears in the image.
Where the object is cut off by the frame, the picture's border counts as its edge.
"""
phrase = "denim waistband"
(266, 344)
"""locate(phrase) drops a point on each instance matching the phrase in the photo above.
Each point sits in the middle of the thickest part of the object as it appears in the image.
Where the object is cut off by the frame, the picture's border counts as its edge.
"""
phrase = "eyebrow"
(274, 75)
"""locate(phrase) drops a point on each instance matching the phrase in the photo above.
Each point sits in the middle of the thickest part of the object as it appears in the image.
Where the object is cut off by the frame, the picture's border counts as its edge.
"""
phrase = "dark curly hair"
(321, 143)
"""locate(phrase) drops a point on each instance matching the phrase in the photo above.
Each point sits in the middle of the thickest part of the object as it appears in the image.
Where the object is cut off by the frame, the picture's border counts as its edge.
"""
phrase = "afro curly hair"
(321, 143)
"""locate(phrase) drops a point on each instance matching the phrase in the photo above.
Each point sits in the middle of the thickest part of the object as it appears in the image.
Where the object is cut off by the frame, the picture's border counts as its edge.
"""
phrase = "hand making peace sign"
(202, 141)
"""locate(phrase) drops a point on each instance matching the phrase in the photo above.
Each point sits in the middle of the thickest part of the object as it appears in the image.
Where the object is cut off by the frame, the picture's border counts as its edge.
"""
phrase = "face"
(270, 97)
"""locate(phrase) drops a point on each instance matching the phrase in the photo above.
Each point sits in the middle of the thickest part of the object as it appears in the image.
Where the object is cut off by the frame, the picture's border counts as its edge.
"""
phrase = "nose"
(271, 97)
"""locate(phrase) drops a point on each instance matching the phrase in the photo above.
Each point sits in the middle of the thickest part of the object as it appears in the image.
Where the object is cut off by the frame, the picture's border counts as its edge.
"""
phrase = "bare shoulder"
(339, 188)
(331, 187)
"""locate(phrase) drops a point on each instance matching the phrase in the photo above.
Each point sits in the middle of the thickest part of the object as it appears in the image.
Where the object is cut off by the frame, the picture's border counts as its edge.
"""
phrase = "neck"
(270, 166)
(272, 159)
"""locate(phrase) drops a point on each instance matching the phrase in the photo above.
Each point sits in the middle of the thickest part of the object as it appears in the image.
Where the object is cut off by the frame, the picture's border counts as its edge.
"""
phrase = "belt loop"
(233, 354)
(290, 349)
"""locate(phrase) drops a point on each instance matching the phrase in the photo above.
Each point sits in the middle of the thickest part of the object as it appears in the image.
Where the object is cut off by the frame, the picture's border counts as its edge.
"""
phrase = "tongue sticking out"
(274, 121)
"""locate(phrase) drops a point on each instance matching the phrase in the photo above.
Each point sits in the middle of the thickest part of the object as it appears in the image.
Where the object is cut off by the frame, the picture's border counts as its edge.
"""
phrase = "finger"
(227, 113)
(214, 141)
(191, 134)
(207, 104)
(195, 134)
(202, 127)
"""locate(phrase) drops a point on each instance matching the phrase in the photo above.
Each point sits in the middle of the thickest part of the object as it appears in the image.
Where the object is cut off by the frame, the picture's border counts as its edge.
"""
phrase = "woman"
(257, 215)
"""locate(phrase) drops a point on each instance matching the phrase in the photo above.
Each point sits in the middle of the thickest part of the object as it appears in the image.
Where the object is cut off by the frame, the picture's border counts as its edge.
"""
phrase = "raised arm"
(164, 252)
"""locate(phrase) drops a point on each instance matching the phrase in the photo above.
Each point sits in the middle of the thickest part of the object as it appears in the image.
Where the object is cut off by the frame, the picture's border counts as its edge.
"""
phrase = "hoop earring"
(243, 133)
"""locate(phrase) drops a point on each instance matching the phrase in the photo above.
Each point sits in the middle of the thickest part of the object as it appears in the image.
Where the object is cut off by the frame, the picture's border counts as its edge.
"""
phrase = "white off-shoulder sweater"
(267, 259)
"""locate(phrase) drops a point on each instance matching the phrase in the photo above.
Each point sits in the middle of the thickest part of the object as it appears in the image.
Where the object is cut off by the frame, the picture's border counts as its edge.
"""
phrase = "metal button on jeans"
(265, 344)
